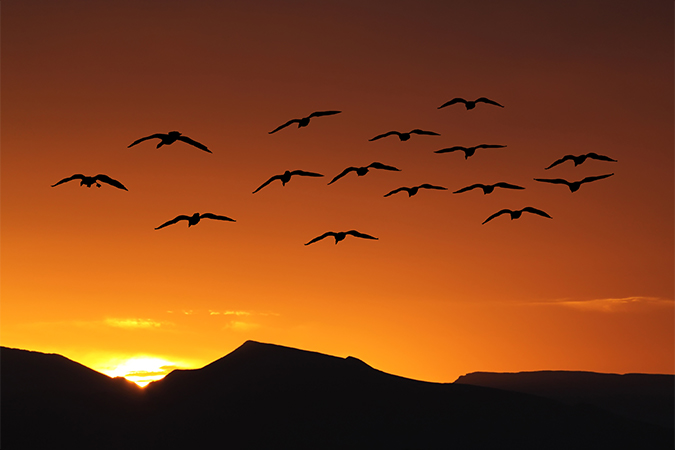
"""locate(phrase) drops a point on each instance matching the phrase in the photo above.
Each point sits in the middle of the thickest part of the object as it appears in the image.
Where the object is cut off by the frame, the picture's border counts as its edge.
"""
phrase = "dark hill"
(266, 396)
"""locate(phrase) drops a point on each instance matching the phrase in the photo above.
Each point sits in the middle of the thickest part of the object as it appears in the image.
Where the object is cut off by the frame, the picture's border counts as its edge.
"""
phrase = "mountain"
(646, 397)
(264, 396)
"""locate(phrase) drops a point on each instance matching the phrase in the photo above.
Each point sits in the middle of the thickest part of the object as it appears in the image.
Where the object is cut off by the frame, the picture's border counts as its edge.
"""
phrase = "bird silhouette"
(286, 177)
(518, 213)
(413, 190)
(305, 120)
(573, 185)
(488, 188)
(468, 103)
(170, 138)
(341, 235)
(468, 151)
(88, 181)
(404, 136)
(580, 159)
(194, 219)
(361, 171)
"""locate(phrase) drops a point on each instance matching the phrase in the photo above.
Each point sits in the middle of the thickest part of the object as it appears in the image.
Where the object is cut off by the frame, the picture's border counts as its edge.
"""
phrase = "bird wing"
(377, 165)
(318, 238)
(323, 113)
(468, 188)
(536, 211)
(600, 157)
(172, 221)
(451, 149)
(499, 213)
(152, 136)
(431, 186)
(553, 180)
(195, 143)
(599, 177)
(452, 102)
(501, 184)
(284, 125)
(110, 181)
(275, 177)
(77, 176)
(560, 161)
(385, 135)
(397, 190)
(360, 235)
(490, 146)
(215, 217)
(487, 100)
(429, 133)
(344, 172)
(306, 174)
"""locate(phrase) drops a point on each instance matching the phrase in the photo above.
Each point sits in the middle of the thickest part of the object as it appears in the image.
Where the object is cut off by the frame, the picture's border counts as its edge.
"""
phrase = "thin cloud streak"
(613, 304)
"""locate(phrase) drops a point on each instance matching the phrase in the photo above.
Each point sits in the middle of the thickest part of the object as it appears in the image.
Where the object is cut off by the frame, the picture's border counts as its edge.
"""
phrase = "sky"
(85, 274)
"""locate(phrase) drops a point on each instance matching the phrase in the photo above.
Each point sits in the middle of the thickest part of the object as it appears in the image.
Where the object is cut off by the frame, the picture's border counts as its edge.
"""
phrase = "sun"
(140, 369)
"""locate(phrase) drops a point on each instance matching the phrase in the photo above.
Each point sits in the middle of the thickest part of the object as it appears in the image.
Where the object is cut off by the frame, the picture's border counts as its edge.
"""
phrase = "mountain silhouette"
(267, 396)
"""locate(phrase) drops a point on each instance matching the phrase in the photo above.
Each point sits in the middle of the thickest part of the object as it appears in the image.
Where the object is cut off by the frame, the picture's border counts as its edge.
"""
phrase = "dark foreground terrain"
(264, 396)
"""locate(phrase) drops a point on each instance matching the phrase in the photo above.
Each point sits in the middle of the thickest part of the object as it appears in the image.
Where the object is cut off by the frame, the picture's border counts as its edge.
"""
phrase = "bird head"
(174, 133)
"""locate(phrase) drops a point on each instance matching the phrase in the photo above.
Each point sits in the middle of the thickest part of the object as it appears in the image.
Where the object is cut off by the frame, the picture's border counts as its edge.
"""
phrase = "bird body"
(194, 219)
(88, 181)
(170, 138)
(517, 213)
(580, 159)
(303, 122)
(413, 190)
(468, 151)
(361, 171)
(469, 103)
(488, 188)
(286, 177)
(405, 136)
(341, 235)
(573, 185)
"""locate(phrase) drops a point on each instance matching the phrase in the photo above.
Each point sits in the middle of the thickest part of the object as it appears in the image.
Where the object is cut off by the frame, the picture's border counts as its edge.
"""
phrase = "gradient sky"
(85, 274)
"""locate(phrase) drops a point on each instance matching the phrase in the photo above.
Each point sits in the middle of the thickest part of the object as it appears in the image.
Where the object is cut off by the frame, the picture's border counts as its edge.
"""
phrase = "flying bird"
(170, 138)
(88, 181)
(468, 103)
(361, 171)
(488, 188)
(580, 159)
(574, 185)
(194, 219)
(413, 190)
(517, 214)
(341, 235)
(468, 151)
(305, 120)
(404, 136)
(286, 177)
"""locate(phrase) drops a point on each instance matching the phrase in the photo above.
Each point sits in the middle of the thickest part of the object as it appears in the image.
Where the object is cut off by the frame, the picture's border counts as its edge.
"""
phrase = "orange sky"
(85, 274)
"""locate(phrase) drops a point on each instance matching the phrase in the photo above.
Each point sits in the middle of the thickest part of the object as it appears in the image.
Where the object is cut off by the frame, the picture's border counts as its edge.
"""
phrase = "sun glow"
(139, 369)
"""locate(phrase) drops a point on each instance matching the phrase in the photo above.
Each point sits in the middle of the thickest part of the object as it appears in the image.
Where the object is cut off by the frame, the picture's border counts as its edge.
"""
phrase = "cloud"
(133, 323)
(614, 304)
(237, 325)
(229, 313)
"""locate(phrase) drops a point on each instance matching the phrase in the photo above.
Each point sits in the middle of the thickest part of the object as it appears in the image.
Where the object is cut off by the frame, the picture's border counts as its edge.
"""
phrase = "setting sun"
(139, 369)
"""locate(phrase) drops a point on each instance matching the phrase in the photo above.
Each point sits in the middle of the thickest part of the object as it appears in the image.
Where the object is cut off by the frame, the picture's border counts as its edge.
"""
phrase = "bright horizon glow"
(141, 369)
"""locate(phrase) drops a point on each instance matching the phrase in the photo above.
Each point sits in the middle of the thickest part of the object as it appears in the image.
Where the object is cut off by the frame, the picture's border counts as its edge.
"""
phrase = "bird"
(305, 120)
(413, 190)
(468, 151)
(404, 136)
(341, 235)
(468, 103)
(194, 219)
(170, 138)
(573, 185)
(581, 158)
(361, 171)
(488, 188)
(286, 177)
(88, 181)
(517, 214)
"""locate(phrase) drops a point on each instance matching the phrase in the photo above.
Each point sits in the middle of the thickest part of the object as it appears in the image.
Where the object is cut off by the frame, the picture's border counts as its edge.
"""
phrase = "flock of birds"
(173, 136)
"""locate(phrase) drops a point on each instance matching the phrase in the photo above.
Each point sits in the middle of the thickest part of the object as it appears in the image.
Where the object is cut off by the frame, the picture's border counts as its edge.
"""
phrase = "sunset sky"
(86, 275)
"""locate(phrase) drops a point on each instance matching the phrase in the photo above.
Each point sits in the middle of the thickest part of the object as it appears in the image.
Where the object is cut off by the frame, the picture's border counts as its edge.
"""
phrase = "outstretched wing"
(77, 176)
(306, 174)
(215, 217)
(599, 177)
(487, 100)
(172, 221)
(397, 190)
(360, 235)
(342, 174)
(499, 213)
(377, 165)
(501, 184)
(451, 149)
(536, 211)
(553, 180)
(468, 188)
(195, 143)
(429, 133)
(490, 146)
(110, 181)
(284, 125)
(318, 238)
(385, 135)
(153, 136)
(600, 157)
(452, 102)
(560, 161)
(322, 113)
(431, 186)
(275, 177)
